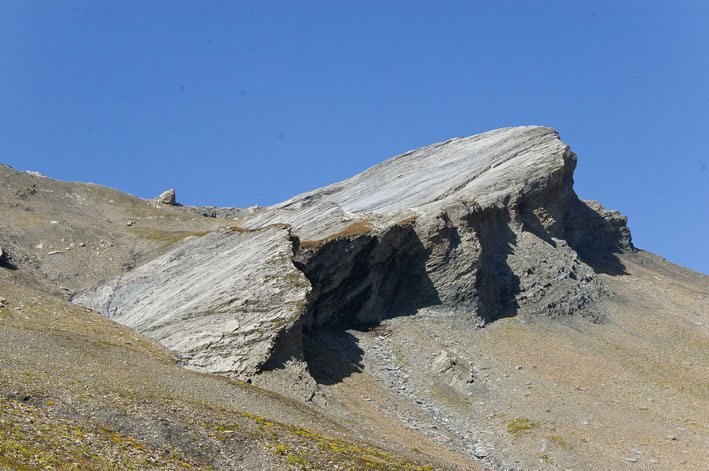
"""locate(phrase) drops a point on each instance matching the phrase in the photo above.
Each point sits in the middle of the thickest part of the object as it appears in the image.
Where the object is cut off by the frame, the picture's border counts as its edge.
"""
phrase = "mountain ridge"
(355, 323)
(404, 235)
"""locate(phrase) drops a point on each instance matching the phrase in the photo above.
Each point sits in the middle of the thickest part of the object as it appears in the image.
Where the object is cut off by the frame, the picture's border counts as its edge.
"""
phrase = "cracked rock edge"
(494, 229)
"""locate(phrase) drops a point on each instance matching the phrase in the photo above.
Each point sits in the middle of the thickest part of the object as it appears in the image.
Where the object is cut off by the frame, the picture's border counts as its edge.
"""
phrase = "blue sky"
(242, 103)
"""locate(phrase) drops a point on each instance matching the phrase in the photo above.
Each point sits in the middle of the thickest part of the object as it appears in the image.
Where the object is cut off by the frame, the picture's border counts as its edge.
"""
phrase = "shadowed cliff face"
(361, 280)
(366, 299)
(478, 228)
(533, 253)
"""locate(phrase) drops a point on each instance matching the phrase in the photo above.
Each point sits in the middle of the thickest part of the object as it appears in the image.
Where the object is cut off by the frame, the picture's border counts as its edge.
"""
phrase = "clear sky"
(243, 103)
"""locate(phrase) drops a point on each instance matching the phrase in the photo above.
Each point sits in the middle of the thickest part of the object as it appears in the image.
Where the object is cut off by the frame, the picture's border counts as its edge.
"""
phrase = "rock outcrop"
(220, 302)
(166, 197)
(480, 228)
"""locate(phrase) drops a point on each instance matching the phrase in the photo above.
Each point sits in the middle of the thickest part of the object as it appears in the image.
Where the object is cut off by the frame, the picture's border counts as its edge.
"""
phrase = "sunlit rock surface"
(480, 228)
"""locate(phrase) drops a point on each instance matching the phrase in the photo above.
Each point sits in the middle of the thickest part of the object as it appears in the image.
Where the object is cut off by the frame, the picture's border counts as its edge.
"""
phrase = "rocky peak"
(491, 167)
(166, 197)
(480, 228)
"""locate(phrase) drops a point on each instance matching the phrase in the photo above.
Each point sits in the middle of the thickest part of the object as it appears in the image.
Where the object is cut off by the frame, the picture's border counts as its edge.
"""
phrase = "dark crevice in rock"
(497, 284)
(7, 264)
(597, 235)
(467, 259)
(332, 355)
(5, 260)
(362, 280)
(356, 283)
(287, 347)
(594, 233)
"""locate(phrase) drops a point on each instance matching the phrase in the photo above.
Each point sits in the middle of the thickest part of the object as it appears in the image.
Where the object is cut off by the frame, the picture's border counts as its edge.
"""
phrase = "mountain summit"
(454, 307)
(480, 228)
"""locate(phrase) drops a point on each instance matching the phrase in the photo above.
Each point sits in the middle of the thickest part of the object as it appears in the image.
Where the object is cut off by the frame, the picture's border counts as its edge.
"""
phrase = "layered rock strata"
(480, 227)
(219, 301)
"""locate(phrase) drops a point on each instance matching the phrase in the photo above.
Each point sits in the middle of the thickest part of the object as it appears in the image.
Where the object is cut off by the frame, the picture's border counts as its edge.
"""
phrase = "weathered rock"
(167, 197)
(3, 254)
(493, 167)
(480, 228)
(225, 213)
(442, 363)
(495, 230)
(220, 301)
(480, 452)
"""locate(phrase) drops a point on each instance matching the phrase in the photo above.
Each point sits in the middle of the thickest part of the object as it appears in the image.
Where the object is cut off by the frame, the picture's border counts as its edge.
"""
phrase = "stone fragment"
(167, 197)
(442, 363)
(219, 301)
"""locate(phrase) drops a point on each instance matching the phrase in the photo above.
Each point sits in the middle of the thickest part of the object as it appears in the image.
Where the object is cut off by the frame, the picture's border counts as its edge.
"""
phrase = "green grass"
(164, 237)
(558, 441)
(280, 225)
(407, 221)
(521, 424)
(50, 441)
(30, 440)
(359, 227)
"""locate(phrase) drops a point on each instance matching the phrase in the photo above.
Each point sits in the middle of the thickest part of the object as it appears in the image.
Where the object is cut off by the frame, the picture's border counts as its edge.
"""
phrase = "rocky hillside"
(71, 236)
(454, 307)
(481, 227)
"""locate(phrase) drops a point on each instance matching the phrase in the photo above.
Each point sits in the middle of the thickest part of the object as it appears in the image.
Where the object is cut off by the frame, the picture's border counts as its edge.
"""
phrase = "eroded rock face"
(219, 301)
(480, 227)
(166, 197)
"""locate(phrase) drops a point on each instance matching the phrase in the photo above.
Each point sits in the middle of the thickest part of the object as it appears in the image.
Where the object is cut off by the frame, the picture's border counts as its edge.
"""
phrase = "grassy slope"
(569, 394)
(80, 392)
(77, 235)
(118, 400)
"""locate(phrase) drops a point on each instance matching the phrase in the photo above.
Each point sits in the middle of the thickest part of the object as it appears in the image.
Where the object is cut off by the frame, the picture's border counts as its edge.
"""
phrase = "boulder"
(219, 302)
(167, 197)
